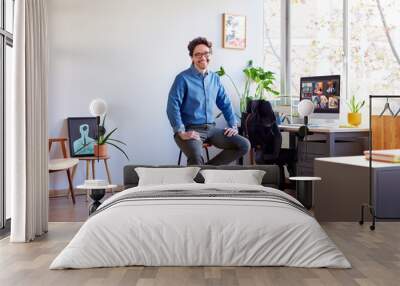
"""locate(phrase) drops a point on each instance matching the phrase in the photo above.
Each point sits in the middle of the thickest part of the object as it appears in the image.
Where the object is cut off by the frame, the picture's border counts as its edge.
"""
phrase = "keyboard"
(309, 125)
(291, 125)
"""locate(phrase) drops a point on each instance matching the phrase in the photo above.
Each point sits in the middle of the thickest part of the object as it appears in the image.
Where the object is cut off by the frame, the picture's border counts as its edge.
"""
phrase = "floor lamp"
(304, 184)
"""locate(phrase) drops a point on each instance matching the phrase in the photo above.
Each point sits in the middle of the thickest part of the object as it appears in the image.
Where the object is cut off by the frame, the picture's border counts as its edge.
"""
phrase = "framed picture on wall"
(82, 136)
(234, 31)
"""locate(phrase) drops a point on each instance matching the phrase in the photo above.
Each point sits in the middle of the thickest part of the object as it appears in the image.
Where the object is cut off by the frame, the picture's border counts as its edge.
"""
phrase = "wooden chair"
(205, 146)
(63, 164)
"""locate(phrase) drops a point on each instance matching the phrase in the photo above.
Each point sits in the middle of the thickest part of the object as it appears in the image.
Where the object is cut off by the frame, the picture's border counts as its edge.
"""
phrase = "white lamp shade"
(305, 107)
(98, 107)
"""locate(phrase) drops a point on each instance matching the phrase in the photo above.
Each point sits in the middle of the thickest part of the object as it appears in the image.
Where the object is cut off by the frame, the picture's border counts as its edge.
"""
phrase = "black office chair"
(266, 139)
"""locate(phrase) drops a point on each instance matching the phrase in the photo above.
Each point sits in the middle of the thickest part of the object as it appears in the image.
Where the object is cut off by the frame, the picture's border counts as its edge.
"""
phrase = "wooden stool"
(92, 161)
(205, 146)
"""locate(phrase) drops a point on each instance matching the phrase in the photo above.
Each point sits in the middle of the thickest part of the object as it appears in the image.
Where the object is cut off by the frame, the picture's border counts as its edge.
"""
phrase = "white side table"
(96, 194)
(304, 189)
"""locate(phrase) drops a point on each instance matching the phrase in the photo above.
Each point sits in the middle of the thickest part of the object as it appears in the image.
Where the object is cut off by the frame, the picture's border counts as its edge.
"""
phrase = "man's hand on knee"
(188, 135)
(230, 132)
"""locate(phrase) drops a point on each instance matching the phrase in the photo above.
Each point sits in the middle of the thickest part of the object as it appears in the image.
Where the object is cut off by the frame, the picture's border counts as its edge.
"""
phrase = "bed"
(197, 224)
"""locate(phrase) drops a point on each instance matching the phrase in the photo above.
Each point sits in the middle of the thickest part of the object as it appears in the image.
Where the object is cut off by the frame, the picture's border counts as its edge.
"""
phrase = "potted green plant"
(354, 116)
(100, 147)
(263, 79)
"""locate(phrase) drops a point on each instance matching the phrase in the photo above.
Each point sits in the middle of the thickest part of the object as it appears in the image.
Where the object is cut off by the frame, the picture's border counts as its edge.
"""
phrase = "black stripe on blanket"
(204, 194)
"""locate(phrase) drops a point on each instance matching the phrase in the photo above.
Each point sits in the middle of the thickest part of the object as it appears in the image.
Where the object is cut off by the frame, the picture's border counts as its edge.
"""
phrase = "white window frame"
(6, 39)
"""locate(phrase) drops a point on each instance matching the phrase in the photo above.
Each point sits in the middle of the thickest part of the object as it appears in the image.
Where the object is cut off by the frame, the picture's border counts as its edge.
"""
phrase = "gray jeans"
(233, 147)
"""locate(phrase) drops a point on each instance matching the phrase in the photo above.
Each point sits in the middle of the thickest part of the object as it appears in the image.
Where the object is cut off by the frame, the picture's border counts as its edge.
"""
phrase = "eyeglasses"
(200, 55)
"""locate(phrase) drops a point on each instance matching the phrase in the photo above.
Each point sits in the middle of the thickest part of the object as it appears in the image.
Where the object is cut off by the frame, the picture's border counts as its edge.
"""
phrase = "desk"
(325, 142)
(345, 186)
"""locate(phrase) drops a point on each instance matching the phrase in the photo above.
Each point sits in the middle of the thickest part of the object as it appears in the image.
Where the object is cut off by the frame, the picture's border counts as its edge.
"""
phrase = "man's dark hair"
(198, 41)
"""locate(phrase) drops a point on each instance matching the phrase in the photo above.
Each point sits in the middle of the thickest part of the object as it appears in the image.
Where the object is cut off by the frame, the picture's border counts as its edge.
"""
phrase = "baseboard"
(64, 192)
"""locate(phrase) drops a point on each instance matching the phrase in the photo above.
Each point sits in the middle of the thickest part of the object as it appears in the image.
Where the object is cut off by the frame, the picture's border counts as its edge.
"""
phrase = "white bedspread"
(200, 231)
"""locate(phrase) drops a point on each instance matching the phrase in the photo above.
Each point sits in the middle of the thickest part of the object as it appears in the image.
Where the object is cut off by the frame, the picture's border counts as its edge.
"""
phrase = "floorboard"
(375, 257)
(61, 209)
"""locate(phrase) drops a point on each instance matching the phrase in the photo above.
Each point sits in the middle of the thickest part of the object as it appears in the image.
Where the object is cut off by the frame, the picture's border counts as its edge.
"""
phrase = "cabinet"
(328, 144)
(345, 186)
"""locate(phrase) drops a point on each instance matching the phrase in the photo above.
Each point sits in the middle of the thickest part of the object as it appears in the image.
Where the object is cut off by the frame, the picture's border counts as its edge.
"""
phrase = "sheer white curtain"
(27, 147)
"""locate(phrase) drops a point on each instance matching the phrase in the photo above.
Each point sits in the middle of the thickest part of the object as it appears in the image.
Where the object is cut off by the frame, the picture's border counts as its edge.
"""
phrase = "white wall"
(128, 53)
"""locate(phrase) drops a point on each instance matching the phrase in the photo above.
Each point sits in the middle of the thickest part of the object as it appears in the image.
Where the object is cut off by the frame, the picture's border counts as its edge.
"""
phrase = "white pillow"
(165, 176)
(248, 177)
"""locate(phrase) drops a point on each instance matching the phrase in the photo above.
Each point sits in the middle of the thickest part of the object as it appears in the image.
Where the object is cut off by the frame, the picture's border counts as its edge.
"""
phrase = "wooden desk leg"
(108, 174)
(93, 175)
(87, 178)
(93, 169)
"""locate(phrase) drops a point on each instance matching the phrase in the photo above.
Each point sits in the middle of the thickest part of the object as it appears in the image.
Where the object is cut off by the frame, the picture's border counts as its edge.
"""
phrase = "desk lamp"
(305, 108)
(304, 184)
(98, 107)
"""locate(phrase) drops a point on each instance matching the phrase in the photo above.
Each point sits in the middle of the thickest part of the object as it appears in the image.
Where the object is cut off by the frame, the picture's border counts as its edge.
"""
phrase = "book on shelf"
(388, 155)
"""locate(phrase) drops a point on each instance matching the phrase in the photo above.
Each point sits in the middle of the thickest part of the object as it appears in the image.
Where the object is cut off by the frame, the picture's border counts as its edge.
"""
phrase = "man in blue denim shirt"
(191, 102)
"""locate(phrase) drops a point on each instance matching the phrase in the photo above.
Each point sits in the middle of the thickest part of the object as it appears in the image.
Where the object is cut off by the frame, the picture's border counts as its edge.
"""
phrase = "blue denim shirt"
(192, 97)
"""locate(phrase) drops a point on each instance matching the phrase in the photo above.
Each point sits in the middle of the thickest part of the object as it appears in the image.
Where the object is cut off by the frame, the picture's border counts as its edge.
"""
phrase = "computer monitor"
(324, 92)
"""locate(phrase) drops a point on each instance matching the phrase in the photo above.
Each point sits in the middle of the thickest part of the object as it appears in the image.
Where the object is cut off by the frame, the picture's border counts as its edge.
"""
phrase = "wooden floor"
(61, 209)
(375, 257)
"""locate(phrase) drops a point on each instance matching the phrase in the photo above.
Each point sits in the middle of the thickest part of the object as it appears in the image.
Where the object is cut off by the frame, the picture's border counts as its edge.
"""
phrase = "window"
(272, 36)
(316, 40)
(373, 66)
(6, 61)
(357, 39)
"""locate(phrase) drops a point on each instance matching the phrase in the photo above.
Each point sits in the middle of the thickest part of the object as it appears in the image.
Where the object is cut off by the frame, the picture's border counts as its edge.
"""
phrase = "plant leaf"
(104, 119)
(221, 71)
(119, 148)
(119, 141)
(108, 135)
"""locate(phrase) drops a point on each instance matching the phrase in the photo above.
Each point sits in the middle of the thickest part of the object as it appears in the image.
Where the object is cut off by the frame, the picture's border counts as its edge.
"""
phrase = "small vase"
(100, 150)
(354, 118)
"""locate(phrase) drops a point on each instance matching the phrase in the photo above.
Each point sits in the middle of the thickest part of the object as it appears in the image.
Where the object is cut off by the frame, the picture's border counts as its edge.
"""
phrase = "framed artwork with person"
(82, 136)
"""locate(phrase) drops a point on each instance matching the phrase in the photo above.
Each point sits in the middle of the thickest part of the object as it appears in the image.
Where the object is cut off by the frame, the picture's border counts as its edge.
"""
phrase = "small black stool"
(205, 146)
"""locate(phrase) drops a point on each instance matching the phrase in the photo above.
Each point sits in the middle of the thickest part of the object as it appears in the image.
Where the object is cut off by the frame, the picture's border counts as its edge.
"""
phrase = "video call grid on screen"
(323, 91)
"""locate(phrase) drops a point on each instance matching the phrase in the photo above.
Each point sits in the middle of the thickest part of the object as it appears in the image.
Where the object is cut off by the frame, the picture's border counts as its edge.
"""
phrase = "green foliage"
(221, 72)
(106, 139)
(355, 106)
(263, 80)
